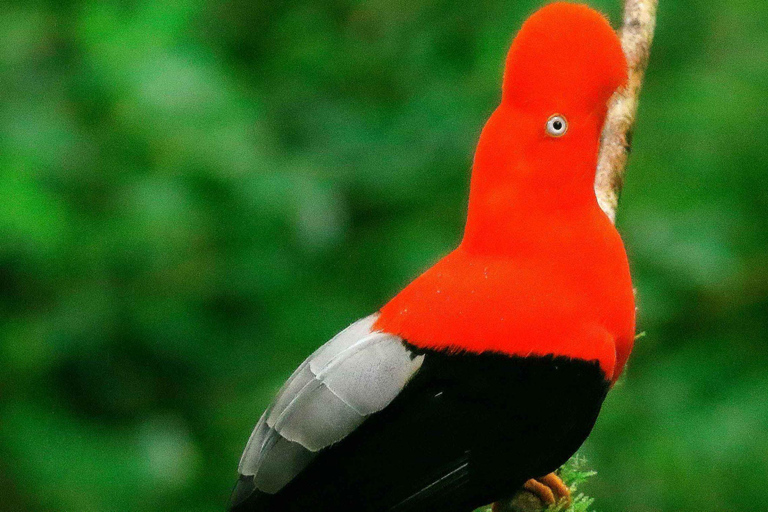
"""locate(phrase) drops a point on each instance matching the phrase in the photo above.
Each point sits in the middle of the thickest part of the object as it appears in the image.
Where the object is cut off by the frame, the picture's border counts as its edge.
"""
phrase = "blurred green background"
(194, 195)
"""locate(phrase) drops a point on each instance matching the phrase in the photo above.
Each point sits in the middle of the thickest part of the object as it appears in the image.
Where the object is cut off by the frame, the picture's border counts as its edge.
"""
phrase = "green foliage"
(574, 473)
(195, 195)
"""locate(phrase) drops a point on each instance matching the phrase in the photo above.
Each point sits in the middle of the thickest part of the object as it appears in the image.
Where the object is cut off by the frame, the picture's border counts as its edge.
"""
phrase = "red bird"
(488, 370)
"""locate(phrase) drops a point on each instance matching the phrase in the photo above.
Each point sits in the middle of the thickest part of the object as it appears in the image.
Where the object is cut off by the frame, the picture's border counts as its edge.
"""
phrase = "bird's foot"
(550, 489)
(546, 490)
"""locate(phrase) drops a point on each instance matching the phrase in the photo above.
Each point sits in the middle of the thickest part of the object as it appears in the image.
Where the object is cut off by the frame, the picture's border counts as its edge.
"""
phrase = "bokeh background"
(194, 195)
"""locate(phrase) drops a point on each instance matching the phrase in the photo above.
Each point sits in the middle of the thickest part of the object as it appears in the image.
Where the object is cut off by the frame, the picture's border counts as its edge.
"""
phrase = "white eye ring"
(557, 125)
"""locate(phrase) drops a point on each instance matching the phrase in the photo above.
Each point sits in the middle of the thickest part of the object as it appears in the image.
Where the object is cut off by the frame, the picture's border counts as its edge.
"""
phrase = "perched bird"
(487, 372)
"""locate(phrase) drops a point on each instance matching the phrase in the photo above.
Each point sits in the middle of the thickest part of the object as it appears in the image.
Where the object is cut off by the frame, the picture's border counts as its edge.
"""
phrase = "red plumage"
(541, 270)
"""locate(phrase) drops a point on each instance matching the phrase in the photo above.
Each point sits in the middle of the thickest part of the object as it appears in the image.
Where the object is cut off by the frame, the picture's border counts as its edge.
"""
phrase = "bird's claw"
(549, 489)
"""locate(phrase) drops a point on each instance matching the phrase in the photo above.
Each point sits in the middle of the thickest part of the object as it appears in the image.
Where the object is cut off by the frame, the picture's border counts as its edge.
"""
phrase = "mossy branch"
(573, 473)
(615, 144)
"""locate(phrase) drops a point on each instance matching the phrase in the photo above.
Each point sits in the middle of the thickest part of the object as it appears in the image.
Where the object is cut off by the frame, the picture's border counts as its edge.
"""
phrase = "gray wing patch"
(356, 374)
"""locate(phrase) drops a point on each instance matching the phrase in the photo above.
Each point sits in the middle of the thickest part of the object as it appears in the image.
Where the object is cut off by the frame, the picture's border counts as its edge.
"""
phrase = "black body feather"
(465, 431)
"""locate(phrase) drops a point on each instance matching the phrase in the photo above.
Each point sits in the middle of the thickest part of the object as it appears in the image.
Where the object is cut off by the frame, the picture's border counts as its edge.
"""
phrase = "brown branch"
(615, 144)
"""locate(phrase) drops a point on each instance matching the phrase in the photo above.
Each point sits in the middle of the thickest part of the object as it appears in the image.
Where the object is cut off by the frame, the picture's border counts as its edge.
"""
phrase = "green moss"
(573, 473)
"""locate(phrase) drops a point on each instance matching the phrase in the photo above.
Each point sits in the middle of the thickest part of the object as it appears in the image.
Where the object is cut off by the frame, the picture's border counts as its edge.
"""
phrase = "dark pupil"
(557, 125)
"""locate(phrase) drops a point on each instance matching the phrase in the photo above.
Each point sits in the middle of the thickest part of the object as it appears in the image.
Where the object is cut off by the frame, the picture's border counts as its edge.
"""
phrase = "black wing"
(465, 430)
(356, 374)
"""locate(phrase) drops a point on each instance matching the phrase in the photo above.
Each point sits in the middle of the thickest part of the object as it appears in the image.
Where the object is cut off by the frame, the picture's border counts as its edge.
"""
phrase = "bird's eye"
(557, 125)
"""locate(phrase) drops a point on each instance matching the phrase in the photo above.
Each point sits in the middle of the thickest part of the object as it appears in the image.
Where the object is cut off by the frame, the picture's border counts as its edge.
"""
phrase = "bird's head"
(566, 59)
(539, 148)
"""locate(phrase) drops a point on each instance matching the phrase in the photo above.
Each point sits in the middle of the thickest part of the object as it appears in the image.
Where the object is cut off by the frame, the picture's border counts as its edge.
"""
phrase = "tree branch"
(616, 141)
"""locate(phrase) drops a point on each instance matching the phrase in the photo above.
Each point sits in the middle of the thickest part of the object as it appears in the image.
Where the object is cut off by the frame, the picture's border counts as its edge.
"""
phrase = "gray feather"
(285, 460)
(292, 387)
(357, 373)
(318, 419)
(386, 362)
